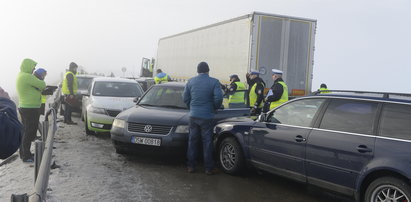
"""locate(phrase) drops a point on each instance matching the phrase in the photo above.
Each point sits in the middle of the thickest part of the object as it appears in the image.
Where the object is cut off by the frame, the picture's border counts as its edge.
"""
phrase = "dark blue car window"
(396, 121)
(164, 96)
(350, 116)
(297, 113)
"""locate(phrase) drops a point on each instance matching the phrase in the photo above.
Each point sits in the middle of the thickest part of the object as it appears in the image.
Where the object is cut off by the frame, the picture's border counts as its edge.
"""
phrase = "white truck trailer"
(258, 41)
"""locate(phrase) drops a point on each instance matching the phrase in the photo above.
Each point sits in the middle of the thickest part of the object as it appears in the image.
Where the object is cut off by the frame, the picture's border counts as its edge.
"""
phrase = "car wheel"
(388, 189)
(231, 157)
(88, 132)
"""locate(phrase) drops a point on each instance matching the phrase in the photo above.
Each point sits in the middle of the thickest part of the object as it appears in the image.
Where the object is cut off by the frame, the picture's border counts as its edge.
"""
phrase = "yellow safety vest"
(324, 90)
(237, 97)
(253, 96)
(284, 96)
(65, 88)
(43, 99)
(161, 80)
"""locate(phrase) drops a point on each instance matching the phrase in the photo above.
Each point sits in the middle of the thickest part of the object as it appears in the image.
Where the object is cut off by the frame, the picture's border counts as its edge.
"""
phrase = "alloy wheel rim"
(388, 193)
(228, 156)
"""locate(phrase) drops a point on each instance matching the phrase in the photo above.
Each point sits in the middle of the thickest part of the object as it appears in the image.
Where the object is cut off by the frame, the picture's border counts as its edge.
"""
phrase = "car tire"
(88, 132)
(385, 187)
(230, 156)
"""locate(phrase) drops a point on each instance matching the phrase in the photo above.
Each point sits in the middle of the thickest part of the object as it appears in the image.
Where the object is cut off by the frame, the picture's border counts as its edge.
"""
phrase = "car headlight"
(182, 129)
(96, 110)
(118, 123)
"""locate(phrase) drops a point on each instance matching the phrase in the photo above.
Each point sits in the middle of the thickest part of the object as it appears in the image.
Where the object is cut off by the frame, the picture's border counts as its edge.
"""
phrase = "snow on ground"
(87, 172)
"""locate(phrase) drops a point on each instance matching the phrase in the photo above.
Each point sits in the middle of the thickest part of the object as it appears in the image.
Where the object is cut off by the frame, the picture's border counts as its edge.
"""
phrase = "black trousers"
(30, 119)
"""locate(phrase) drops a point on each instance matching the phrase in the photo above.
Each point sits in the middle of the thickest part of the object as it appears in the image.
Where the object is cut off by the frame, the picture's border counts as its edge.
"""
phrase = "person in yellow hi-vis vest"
(256, 87)
(161, 77)
(236, 92)
(323, 89)
(41, 73)
(69, 89)
(278, 93)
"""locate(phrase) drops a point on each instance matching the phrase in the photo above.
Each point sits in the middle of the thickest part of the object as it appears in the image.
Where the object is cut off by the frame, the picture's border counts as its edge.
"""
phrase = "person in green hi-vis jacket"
(29, 89)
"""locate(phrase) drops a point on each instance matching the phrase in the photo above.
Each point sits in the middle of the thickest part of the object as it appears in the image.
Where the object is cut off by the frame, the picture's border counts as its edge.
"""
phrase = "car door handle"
(300, 138)
(363, 149)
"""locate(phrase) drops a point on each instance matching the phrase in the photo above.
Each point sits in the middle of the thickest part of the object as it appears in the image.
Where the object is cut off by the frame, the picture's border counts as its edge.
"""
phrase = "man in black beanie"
(203, 96)
(69, 89)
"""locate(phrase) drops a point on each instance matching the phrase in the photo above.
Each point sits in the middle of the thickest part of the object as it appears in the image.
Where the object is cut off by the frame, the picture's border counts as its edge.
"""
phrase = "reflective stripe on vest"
(324, 90)
(237, 97)
(43, 99)
(158, 80)
(65, 88)
(253, 96)
(284, 96)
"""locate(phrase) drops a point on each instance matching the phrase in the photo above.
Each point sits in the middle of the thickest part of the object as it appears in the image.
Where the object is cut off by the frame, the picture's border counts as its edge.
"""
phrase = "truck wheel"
(230, 156)
(88, 132)
(388, 189)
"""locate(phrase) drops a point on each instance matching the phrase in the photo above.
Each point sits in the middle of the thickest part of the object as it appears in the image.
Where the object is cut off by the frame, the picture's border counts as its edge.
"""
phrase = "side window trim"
(320, 113)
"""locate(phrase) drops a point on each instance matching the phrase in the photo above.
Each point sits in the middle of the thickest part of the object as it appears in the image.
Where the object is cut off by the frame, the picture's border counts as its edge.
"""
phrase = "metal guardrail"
(42, 161)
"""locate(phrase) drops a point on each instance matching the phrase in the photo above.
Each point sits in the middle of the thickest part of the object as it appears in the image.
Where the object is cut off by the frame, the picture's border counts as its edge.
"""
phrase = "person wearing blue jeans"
(203, 96)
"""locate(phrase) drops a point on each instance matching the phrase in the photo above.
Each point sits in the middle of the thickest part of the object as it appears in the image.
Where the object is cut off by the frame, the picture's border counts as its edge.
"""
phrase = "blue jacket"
(203, 96)
(10, 128)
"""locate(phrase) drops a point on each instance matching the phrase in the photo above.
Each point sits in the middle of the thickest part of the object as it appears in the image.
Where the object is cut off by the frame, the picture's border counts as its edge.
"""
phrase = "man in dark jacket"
(10, 127)
(203, 96)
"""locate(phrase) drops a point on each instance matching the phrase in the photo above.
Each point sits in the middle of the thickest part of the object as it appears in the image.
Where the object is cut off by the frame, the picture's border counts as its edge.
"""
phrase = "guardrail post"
(45, 130)
(19, 198)
(38, 154)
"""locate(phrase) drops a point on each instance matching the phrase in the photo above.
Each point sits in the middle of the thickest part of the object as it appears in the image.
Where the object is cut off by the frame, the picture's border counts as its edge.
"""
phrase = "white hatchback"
(106, 98)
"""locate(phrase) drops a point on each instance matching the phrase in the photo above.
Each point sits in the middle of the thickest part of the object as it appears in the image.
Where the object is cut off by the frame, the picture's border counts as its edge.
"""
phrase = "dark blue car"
(354, 144)
(159, 121)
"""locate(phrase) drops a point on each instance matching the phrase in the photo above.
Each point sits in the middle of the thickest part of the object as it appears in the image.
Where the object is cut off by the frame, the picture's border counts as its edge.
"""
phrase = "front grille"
(155, 129)
(113, 113)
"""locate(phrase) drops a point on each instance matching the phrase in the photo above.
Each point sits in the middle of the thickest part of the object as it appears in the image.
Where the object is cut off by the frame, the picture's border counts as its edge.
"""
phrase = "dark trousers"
(67, 113)
(200, 128)
(30, 119)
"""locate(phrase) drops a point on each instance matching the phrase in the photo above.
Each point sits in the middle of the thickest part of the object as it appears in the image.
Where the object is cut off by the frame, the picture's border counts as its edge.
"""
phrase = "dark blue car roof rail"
(385, 95)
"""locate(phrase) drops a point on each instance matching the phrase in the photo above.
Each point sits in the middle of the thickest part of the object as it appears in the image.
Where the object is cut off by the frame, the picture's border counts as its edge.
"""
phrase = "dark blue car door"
(278, 144)
(342, 145)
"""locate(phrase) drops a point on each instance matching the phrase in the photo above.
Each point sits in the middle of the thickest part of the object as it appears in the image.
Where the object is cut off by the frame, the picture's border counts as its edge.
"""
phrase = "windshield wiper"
(150, 105)
(172, 106)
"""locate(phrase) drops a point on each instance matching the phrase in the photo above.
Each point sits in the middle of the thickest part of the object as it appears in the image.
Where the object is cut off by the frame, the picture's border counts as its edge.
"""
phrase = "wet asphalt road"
(163, 177)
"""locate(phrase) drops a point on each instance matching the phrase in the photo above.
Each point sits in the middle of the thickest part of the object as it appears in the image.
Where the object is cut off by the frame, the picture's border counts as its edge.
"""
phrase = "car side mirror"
(136, 99)
(262, 117)
(85, 93)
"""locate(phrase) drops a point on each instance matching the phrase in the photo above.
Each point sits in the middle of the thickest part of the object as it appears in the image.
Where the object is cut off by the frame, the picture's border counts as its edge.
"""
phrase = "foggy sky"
(360, 44)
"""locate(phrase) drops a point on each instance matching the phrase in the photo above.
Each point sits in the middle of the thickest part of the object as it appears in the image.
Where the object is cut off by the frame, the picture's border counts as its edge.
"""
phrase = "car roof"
(376, 96)
(115, 79)
(172, 84)
(86, 76)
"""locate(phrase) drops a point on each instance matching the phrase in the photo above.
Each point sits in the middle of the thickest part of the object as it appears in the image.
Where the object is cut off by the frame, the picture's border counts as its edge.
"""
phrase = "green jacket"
(28, 86)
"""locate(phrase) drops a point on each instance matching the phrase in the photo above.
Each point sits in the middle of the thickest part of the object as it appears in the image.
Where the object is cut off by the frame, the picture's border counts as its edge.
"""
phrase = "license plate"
(146, 141)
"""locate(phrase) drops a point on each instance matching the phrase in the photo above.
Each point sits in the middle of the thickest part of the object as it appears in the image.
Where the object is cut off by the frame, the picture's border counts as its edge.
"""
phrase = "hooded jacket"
(10, 128)
(29, 87)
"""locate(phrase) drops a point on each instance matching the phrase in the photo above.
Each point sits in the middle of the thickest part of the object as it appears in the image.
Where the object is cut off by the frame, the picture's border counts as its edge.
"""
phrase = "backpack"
(10, 129)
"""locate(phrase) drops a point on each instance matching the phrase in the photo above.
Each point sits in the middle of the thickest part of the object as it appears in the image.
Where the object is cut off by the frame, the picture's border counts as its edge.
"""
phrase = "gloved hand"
(253, 111)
